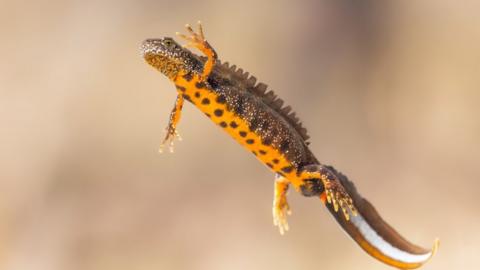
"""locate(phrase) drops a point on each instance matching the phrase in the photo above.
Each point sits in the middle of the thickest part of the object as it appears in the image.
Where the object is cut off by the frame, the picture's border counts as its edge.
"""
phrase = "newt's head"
(168, 56)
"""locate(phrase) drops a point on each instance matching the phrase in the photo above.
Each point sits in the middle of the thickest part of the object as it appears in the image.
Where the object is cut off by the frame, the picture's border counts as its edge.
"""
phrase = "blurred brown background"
(390, 91)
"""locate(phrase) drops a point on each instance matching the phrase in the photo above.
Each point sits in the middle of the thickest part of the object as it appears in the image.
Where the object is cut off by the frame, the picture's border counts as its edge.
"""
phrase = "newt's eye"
(168, 43)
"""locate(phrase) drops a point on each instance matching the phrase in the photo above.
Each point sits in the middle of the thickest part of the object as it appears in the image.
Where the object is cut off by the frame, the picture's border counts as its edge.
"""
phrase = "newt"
(257, 119)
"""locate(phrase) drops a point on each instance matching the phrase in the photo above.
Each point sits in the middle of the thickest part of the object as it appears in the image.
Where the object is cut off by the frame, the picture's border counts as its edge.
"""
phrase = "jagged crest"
(268, 97)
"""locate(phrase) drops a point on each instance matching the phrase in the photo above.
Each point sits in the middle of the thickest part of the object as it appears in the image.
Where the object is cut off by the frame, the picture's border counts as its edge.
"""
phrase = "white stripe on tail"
(374, 235)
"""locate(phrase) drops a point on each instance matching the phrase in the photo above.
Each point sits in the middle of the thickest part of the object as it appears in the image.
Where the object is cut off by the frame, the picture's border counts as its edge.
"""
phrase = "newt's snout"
(149, 46)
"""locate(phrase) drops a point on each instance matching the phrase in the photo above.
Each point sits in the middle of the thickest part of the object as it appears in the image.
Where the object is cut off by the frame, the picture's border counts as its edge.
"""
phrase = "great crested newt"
(257, 119)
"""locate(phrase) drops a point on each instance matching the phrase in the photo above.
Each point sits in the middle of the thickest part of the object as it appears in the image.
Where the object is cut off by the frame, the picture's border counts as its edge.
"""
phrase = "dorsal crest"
(261, 90)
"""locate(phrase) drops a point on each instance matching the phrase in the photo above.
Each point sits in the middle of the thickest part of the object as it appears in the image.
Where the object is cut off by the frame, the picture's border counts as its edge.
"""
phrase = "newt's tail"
(375, 236)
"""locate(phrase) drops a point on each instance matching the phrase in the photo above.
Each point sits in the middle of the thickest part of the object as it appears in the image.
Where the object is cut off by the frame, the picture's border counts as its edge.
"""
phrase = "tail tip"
(436, 244)
(433, 251)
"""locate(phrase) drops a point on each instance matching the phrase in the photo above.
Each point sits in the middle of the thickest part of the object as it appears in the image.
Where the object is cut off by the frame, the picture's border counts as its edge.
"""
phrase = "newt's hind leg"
(171, 130)
(331, 188)
(280, 205)
(198, 41)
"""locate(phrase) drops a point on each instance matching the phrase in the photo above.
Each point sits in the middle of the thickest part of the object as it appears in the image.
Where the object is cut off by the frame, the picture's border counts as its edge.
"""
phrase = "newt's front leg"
(280, 205)
(171, 130)
(198, 41)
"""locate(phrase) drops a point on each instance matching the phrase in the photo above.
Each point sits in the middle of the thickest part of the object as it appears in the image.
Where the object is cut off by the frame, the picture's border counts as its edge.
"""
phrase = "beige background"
(390, 93)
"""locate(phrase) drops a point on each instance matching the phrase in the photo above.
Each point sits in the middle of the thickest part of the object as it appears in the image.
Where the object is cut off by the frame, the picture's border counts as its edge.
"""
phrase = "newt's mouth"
(150, 46)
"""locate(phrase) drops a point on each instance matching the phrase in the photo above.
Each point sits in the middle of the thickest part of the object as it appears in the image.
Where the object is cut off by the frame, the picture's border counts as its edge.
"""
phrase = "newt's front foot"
(171, 134)
(171, 130)
(198, 41)
(281, 208)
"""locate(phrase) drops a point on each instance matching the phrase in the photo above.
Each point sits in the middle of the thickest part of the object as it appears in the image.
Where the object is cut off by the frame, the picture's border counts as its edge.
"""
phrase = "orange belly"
(237, 128)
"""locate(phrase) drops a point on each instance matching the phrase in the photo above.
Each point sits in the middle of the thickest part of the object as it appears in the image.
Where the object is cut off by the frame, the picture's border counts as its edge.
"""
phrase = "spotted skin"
(259, 122)
(239, 128)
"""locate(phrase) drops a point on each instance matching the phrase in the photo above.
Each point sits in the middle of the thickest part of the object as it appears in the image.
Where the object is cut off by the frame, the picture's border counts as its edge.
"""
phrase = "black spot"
(197, 94)
(269, 165)
(188, 77)
(254, 124)
(313, 168)
(250, 141)
(223, 124)
(240, 106)
(255, 153)
(275, 161)
(287, 169)
(262, 152)
(213, 82)
(200, 85)
(208, 115)
(187, 97)
(265, 124)
(218, 112)
(205, 101)
(181, 88)
(221, 99)
(233, 124)
(267, 141)
(243, 133)
(311, 187)
(284, 146)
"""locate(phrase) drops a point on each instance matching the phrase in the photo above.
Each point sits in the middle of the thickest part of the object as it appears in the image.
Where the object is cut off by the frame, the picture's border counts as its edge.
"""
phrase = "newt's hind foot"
(338, 196)
(281, 208)
(334, 192)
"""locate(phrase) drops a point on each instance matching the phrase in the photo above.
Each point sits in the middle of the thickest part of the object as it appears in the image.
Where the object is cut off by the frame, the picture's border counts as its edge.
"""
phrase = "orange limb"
(171, 130)
(280, 205)
(198, 41)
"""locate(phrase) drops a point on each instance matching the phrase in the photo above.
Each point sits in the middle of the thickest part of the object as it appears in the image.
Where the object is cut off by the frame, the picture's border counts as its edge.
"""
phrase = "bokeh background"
(389, 90)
